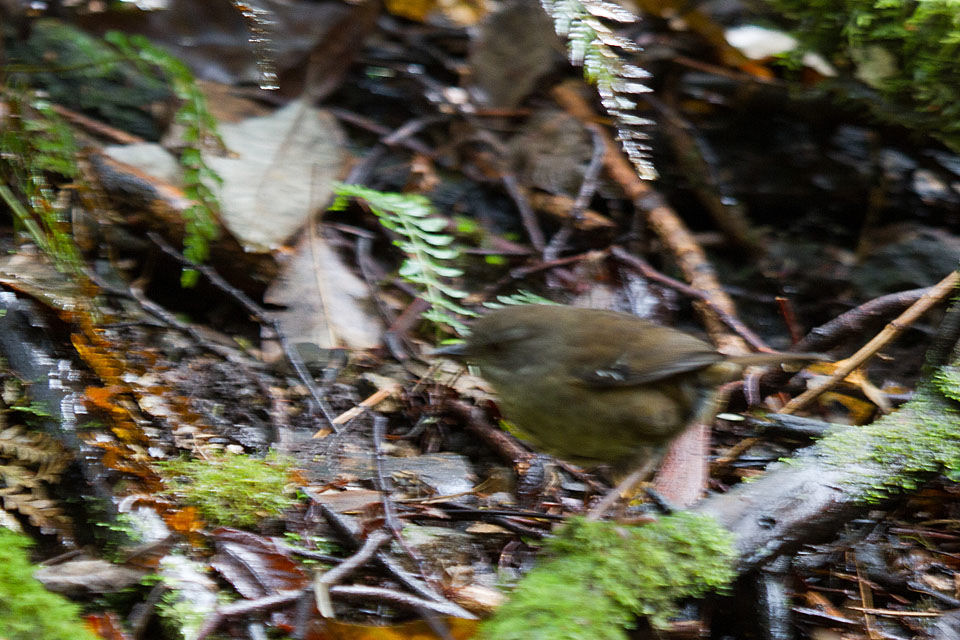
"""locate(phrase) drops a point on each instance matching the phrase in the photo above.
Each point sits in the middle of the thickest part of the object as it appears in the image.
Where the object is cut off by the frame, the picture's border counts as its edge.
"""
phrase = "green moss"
(27, 610)
(908, 51)
(900, 450)
(947, 380)
(599, 576)
(232, 490)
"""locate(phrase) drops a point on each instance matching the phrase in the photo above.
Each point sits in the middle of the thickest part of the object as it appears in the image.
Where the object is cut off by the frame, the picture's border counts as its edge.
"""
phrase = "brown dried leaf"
(327, 629)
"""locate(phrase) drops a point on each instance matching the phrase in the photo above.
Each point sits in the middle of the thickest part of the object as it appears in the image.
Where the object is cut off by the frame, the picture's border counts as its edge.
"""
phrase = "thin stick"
(647, 271)
(936, 294)
(625, 486)
(343, 527)
(369, 402)
(347, 592)
(323, 581)
(382, 484)
(527, 216)
(587, 188)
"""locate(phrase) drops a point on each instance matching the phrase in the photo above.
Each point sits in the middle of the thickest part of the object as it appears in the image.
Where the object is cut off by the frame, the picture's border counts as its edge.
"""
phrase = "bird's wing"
(629, 370)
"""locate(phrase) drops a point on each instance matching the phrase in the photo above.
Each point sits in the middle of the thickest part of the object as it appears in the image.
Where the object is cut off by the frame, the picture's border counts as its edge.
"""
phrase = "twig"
(323, 582)
(734, 452)
(664, 220)
(935, 295)
(751, 388)
(376, 272)
(374, 127)
(527, 215)
(850, 323)
(137, 622)
(739, 77)
(789, 318)
(522, 272)
(556, 267)
(369, 402)
(456, 511)
(647, 271)
(102, 129)
(361, 171)
(561, 206)
(796, 427)
(379, 594)
(347, 592)
(855, 321)
(309, 553)
(501, 442)
(171, 320)
(623, 487)
(244, 608)
(343, 528)
(897, 614)
(365, 262)
(382, 484)
(866, 598)
(396, 331)
(587, 188)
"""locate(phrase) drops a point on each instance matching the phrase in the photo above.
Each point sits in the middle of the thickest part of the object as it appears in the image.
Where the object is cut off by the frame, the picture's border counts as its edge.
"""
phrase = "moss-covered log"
(808, 498)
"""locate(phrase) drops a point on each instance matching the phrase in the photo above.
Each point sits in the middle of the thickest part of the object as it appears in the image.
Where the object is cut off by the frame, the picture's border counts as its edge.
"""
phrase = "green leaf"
(409, 268)
(432, 225)
(412, 218)
(191, 157)
(447, 272)
(189, 278)
(437, 240)
(440, 254)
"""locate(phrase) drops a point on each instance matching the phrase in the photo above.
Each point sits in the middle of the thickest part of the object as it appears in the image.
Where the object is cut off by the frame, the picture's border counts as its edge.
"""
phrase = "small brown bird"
(599, 387)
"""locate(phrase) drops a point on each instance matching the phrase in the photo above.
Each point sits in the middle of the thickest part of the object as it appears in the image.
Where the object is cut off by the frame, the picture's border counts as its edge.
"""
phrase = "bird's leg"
(623, 488)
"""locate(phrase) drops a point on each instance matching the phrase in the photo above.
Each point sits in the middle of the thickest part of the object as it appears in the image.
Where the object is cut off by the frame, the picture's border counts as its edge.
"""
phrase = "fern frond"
(199, 132)
(413, 219)
(594, 46)
(36, 145)
(518, 298)
(29, 461)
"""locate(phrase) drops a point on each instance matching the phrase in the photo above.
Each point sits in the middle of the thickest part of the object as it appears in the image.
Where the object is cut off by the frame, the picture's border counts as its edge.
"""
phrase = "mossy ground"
(233, 490)
(27, 610)
(904, 447)
(599, 576)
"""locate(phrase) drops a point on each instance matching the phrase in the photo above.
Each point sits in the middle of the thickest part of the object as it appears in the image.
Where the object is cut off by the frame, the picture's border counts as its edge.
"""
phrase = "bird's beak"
(458, 350)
